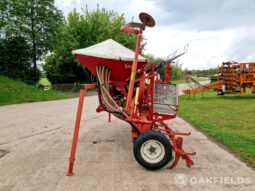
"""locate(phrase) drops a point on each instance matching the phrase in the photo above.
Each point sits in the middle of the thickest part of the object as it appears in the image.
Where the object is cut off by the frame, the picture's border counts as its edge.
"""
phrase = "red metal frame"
(128, 107)
(77, 126)
(167, 73)
(141, 115)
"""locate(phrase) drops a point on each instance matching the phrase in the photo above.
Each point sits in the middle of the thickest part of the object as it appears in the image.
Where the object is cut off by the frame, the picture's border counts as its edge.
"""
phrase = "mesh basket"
(165, 98)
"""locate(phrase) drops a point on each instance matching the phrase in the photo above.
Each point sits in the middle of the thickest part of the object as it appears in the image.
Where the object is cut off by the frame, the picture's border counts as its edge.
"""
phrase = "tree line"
(177, 71)
(35, 31)
(82, 30)
(28, 30)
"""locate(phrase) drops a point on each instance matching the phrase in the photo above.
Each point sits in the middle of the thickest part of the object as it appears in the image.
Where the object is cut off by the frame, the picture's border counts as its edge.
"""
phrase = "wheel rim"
(152, 151)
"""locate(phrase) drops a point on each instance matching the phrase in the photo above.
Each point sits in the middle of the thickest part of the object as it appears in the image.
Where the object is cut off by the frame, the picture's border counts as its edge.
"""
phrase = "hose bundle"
(105, 99)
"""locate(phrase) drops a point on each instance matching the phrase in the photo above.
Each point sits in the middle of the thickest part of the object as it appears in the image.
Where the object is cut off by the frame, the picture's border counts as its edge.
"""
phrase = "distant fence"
(61, 87)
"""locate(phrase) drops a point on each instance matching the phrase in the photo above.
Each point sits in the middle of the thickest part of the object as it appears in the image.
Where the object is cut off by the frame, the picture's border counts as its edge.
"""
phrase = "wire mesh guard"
(165, 98)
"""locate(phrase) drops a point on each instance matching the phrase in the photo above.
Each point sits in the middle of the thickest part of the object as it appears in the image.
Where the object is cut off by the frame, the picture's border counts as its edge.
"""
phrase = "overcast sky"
(216, 30)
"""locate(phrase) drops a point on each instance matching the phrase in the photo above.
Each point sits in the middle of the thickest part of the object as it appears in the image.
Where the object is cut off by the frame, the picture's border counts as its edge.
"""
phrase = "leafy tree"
(204, 73)
(15, 57)
(37, 21)
(152, 59)
(81, 30)
(176, 71)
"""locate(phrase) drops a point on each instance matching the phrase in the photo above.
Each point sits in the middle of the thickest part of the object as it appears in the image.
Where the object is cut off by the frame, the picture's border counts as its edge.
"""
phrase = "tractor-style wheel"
(152, 150)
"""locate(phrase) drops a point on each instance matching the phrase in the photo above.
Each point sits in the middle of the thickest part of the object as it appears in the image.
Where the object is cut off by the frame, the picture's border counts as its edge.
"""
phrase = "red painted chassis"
(141, 116)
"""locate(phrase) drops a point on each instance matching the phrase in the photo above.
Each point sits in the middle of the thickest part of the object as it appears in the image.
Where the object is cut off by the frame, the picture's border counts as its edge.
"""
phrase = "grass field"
(13, 91)
(182, 81)
(229, 119)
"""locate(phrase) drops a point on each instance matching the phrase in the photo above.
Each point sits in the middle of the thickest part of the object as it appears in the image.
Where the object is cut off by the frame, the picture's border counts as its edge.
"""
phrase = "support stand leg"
(76, 131)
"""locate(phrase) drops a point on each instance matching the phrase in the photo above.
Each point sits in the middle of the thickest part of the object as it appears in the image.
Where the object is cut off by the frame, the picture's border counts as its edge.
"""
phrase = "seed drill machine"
(131, 91)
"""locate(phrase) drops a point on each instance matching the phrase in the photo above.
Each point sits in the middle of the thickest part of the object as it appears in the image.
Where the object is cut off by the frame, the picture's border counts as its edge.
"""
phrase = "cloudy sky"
(216, 30)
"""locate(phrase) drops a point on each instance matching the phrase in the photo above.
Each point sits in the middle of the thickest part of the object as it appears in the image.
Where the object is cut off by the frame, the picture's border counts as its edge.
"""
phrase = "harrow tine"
(189, 162)
(179, 152)
(176, 160)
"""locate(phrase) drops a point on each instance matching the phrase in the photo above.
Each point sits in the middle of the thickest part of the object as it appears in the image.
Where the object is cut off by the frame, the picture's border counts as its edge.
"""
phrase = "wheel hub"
(152, 151)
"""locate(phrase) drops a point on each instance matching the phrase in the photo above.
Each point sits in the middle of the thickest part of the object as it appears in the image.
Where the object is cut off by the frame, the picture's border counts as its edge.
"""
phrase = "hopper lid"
(109, 49)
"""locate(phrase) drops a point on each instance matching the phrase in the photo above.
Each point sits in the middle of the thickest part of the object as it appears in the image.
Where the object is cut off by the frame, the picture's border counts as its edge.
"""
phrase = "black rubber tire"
(152, 135)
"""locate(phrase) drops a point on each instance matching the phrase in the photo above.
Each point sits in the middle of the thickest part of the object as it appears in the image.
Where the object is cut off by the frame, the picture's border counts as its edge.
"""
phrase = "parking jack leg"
(76, 131)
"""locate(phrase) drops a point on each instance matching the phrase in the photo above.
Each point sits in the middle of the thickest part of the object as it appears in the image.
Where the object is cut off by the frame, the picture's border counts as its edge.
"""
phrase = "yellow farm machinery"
(233, 78)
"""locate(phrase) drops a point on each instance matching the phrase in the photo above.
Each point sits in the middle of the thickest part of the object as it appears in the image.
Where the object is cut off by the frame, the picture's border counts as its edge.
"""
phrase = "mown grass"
(182, 81)
(13, 91)
(229, 119)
